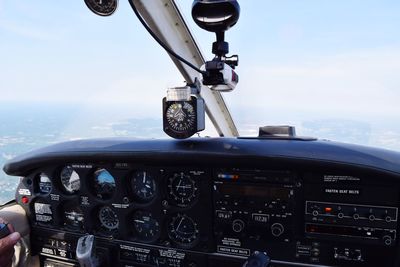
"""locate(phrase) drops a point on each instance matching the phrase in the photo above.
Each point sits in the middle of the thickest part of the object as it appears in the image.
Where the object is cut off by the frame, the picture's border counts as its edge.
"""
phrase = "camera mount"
(218, 16)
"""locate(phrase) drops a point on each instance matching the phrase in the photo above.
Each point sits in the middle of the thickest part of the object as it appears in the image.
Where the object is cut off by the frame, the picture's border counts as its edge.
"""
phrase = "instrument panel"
(136, 203)
(163, 210)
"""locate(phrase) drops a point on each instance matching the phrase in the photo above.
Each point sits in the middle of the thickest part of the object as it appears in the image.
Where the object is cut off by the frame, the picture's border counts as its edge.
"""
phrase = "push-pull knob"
(277, 229)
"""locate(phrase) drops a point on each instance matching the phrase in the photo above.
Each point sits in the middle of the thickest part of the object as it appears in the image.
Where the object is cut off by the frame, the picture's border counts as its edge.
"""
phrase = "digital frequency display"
(255, 191)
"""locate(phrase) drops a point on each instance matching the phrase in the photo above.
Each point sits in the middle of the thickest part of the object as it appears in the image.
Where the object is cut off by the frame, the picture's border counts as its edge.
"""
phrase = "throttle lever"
(85, 251)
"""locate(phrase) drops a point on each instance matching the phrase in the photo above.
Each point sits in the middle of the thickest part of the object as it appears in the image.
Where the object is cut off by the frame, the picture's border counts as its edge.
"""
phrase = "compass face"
(181, 116)
(102, 7)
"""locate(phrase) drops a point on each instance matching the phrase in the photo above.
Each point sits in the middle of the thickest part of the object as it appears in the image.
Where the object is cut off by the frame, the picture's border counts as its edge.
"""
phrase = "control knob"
(237, 226)
(277, 229)
(387, 240)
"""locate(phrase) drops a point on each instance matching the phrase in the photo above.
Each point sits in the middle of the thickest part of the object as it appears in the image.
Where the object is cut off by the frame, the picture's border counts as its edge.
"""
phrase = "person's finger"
(9, 241)
(11, 228)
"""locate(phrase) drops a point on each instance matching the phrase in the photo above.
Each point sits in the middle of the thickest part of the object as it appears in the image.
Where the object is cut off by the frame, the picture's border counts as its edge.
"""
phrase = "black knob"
(387, 240)
(277, 229)
(388, 218)
(237, 226)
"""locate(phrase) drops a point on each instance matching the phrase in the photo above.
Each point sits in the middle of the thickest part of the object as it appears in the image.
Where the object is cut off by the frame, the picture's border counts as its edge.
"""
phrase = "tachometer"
(70, 180)
(143, 186)
(183, 230)
(182, 189)
(108, 218)
(146, 227)
(102, 7)
(104, 184)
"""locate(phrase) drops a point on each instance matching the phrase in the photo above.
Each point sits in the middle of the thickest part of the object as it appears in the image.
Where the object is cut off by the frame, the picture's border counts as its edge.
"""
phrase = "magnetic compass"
(102, 7)
(181, 116)
(182, 119)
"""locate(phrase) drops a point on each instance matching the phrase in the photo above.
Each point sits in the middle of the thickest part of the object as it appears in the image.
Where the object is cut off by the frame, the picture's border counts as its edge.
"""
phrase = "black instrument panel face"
(137, 203)
(211, 216)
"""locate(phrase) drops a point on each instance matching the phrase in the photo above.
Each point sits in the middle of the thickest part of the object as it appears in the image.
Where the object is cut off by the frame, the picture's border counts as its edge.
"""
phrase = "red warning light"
(328, 209)
(25, 200)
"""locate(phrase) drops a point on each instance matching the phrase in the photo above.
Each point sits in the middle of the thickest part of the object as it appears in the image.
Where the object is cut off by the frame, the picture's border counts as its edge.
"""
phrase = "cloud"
(365, 81)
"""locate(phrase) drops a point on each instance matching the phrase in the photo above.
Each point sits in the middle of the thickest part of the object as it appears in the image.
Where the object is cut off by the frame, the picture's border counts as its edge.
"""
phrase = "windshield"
(329, 68)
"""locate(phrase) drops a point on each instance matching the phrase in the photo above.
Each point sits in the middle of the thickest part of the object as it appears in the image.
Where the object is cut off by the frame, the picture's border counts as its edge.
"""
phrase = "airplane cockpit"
(276, 199)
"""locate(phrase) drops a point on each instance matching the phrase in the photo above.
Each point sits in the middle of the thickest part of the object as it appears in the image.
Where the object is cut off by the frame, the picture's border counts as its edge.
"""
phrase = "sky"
(311, 60)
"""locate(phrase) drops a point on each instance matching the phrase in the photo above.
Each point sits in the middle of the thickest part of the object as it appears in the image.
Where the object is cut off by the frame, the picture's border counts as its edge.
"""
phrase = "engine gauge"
(104, 184)
(44, 184)
(102, 7)
(74, 217)
(108, 218)
(183, 230)
(43, 212)
(182, 189)
(70, 180)
(146, 227)
(143, 186)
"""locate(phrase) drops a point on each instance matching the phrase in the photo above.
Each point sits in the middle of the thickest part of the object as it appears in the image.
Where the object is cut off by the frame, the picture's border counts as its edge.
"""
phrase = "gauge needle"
(179, 184)
(177, 228)
(144, 177)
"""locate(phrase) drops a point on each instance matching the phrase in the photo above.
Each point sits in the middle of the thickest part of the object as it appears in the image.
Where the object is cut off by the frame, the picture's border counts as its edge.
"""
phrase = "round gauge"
(44, 184)
(102, 7)
(146, 227)
(104, 184)
(108, 218)
(70, 180)
(182, 189)
(143, 186)
(183, 230)
(74, 217)
(181, 116)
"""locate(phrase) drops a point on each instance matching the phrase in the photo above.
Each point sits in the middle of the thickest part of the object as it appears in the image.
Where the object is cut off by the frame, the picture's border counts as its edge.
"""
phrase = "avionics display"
(254, 191)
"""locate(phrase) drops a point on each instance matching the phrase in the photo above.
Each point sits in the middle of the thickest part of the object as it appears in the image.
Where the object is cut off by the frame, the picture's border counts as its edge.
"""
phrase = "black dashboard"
(212, 201)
